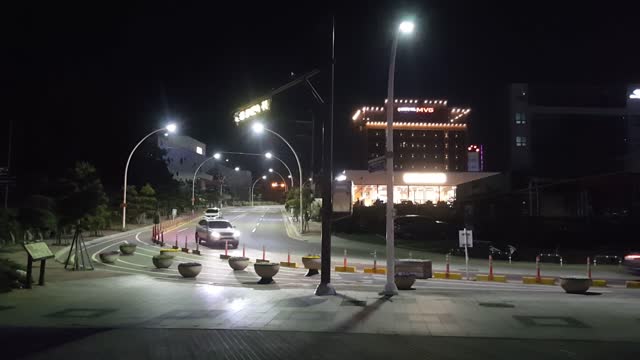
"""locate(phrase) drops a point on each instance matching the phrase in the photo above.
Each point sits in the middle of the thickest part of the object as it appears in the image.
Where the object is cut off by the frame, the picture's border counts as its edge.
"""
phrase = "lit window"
(436, 156)
(413, 156)
(521, 118)
(424, 156)
(199, 150)
(412, 134)
(401, 155)
(521, 141)
(413, 167)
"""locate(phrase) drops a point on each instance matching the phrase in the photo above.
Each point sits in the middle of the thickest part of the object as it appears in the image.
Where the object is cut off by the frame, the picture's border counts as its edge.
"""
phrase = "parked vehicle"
(607, 258)
(550, 257)
(217, 232)
(632, 262)
(212, 213)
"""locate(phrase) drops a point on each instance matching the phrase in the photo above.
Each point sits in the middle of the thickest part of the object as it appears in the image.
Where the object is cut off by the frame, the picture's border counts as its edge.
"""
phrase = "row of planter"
(109, 257)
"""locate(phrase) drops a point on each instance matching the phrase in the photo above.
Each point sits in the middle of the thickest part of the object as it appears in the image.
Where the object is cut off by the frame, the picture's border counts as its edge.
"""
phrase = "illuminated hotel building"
(428, 134)
(430, 152)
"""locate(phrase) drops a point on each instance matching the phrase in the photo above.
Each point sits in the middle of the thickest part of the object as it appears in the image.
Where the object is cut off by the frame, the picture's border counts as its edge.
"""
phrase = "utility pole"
(325, 287)
(6, 186)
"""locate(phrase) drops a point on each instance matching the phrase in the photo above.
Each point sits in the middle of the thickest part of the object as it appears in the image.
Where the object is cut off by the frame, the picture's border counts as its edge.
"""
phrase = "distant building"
(428, 135)
(573, 130)
(475, 158)
(183, 155)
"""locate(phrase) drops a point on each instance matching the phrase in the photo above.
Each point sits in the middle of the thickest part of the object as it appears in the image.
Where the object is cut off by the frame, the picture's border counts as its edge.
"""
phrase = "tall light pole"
(390, 288)
(170, 128)
(270, 156)
(264, 177)
(281, 177)
(258, 128)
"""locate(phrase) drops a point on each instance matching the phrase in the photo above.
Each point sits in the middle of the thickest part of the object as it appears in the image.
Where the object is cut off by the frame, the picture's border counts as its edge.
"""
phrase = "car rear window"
(219, 224)
(212, 211)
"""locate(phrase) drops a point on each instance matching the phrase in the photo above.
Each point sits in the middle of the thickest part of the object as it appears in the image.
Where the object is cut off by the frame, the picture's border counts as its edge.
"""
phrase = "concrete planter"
(168, 252)
(266, 271)
(189, 270)
(575, 285)
(128, 249)
(404, 281)
(109, 257)
(312, 263)
(238, 262)
(422, 269)
(162, 261)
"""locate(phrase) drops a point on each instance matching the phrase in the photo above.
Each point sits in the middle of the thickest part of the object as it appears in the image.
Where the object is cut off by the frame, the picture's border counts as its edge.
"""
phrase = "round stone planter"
(162, 261)
(312, 263)
(266, 271)
(238, 262)
(405, 281)
(189, 270)
(109, 257)
(128, 249)
(168, 252)
(575, 285)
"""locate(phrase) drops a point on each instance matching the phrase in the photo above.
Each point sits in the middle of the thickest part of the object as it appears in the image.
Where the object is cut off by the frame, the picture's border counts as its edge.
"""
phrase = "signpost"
(37, 251)
(377, 164)
(465, 238)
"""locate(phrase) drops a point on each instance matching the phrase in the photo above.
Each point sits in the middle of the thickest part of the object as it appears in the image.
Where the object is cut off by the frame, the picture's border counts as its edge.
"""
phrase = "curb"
(496, 278)
(599, 283)
(288, 264)
(350, 269)
(452, 276)
(633, 284)
(378, 270)
(543, 281)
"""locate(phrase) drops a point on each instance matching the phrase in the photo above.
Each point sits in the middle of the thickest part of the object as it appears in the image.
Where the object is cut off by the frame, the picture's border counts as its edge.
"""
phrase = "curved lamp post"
(170, 128)
(270, 155)
(259, 128)
(390, 287)
(264, 177)
(286, 188)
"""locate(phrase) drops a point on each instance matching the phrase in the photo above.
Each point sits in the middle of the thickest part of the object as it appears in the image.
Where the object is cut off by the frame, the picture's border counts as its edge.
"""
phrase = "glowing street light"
(259, 128)
(390, 288)
(217, 156)
(237, 168)
(270, 156)
(264, 177)
(171, 128)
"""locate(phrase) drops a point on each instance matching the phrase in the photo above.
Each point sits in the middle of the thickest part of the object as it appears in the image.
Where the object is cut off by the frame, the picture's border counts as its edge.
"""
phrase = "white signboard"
(468, 237)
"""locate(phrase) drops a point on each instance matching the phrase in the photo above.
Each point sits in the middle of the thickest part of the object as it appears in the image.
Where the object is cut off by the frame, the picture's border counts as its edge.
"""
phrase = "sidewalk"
(111, 344)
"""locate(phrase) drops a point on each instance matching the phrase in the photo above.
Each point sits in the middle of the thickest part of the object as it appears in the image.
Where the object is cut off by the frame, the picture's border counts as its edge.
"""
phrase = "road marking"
(254, 229)
(182, 230)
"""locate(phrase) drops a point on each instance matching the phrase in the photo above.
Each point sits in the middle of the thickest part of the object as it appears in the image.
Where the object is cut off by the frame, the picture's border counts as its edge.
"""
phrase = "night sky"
(85, 82)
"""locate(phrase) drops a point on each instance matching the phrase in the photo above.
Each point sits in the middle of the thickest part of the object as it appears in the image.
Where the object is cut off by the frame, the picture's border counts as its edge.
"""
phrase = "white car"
(212, 213)
(217, 232)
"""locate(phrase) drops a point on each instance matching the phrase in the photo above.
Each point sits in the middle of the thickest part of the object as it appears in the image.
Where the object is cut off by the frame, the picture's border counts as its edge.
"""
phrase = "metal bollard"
(538, 278)
(344, 259)
(490, 267)
(589, 267)
(446, 271)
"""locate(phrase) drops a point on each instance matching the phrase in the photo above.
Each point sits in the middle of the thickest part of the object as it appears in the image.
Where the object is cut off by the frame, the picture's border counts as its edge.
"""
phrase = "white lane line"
(254, 229)
(181, 230)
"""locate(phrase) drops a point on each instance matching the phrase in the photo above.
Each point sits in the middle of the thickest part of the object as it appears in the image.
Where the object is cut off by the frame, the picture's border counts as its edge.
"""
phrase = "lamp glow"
(172, 128)
(257, 128)
(237, 168)
(268, 155)
(264, 177)
(270, 170)
(217, 156)
(406, 27)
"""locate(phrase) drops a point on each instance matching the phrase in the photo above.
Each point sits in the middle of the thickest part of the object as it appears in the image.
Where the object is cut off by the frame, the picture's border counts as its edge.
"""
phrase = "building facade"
(573, 129)
(428, 135)
(414, 187)
(183, 156)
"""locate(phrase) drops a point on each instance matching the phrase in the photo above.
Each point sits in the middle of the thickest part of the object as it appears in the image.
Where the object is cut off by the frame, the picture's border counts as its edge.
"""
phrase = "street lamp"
(237, 168)
(281, 177)
(270, 156)
(170, 128)
(264, 177)
(259, 128)
(390, 287)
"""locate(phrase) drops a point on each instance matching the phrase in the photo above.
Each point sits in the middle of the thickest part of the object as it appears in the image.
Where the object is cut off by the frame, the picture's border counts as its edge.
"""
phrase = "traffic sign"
(468, 237)
(377, 164)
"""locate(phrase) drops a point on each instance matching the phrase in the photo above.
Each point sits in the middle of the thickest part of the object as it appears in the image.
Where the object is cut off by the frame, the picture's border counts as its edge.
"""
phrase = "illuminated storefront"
(417, 187)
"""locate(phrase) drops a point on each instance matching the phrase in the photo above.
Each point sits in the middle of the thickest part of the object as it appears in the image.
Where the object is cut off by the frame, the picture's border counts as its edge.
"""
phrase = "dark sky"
(87, 81)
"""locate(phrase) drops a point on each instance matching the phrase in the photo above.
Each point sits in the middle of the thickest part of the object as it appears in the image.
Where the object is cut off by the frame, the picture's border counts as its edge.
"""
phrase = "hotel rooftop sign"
(252, 110)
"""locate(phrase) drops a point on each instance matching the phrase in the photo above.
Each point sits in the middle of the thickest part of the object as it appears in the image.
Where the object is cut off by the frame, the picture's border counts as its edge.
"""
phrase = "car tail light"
(632, 257)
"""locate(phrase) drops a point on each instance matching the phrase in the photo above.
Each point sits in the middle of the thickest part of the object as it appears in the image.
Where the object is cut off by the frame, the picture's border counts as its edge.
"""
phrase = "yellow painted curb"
(543, 281)
(633, 284)
(452, 276)
(378, 270)
(496, 278)
(346, 269)
(288, 264)
(169, 250)
(599, 283)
